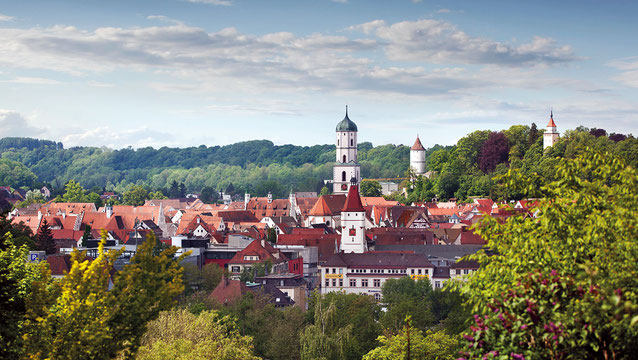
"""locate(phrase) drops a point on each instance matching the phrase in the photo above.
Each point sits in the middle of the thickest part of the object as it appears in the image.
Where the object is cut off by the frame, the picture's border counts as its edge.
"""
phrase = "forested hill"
(252, 165)
(463, 170)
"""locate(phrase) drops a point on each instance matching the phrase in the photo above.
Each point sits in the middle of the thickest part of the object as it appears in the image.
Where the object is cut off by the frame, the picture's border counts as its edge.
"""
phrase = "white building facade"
(346, 166)
(353, 223)
(365, 274)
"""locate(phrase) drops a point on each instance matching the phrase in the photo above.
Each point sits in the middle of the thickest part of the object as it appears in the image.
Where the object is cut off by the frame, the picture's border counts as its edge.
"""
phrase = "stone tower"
(346, 166)
(353, 223)
(550, 137)
(417, 157)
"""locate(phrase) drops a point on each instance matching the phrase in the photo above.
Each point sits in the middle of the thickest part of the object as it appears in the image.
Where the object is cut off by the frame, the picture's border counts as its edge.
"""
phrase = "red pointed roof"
(417, 145)
(321, 208)
(551, 121)
(353, 201)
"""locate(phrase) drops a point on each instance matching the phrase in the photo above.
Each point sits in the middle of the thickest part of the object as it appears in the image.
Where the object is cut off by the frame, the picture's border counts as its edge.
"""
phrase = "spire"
(346, 110)
(417, 144)
(551, 119)
(353, 201)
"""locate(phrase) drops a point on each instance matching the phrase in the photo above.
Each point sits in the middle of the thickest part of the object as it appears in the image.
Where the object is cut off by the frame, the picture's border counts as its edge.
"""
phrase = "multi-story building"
(365, 273)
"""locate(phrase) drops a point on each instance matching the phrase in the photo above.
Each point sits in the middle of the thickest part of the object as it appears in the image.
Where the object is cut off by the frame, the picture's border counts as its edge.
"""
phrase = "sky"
(190, 72)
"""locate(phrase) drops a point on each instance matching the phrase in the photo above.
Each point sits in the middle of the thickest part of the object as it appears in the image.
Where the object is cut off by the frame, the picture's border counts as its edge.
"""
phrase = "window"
(437, 284)
(343, 176)
(351, 142)
(466, 271)
(344, 158)
(377, 296)
(340, 271)
(327, 282)
(337, 142)
(334, 270)
(235, 269)
(353, 282)
(364, 282)
(412, 271)
(334, 282)
(340, 282)
(377, 282)
(419, 271)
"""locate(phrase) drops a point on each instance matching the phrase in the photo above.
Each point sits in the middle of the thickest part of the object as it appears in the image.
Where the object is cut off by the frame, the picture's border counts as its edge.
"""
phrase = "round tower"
(550, 137)
(417, 157)
(346, 165)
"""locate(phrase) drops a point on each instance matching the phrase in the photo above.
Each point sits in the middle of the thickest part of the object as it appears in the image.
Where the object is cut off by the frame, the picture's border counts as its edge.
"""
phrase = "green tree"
(15, 174)
(179, 334)
(87, 320)
(204, 279)
(370, 188)
(412, 343)
(86, 236)
(566, 278)
(20, 233)
(18, 278)
(32, 197)
(271, 235)
(156, 195)
(136, 196)
(406, 297)
(74, 192)
(343, 326)
(44, 240)
(324, 191)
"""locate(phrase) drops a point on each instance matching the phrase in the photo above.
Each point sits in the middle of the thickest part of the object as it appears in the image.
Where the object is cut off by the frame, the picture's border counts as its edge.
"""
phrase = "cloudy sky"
(191, 72)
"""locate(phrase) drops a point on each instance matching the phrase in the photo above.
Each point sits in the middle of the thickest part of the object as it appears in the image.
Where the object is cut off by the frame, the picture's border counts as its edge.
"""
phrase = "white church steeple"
(347, 165)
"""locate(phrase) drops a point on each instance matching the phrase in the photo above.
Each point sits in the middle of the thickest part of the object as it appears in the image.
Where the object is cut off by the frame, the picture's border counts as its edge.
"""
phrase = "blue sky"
(190, 72)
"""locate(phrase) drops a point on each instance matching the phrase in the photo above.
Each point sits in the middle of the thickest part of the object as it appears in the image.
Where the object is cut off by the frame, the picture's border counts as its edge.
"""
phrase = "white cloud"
(119, 138)
(189, 59)
(438, 41)
(6, 17)
(213, 2)
(32, 81)
(629, 71)
(13, 123)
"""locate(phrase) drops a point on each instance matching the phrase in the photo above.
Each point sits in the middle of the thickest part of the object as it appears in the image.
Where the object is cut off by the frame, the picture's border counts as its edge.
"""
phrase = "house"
(292, 285)
(365, 273)
(257, 252)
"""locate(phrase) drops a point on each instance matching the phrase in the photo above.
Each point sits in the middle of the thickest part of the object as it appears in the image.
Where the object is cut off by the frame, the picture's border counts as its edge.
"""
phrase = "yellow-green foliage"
(432, 346)
(89, 320)
(585, 236)
(178, 334)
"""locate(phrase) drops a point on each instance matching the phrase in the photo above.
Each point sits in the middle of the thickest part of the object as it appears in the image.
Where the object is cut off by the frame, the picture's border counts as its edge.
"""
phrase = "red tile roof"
(417, 145)
(263, 252)
(353, 201)
(228, 291)
(321, 208)
(551, 122)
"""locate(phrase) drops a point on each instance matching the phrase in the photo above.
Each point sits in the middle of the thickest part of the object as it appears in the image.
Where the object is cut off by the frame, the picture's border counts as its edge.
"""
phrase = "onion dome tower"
(346, 165)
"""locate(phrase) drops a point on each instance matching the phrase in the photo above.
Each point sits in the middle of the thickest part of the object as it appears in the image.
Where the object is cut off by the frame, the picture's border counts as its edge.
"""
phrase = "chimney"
(269, 197)
(198, 219)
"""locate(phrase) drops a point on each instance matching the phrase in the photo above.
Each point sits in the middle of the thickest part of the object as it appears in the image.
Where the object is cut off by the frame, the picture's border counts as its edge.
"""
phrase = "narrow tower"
(417, 157)
(353, 223)
(550, 137)
(346, 166)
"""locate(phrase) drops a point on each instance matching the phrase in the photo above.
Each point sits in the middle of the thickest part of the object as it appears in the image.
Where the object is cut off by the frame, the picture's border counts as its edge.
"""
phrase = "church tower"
(417, 157)
(353, 223)
(346, 166)
(550, 137)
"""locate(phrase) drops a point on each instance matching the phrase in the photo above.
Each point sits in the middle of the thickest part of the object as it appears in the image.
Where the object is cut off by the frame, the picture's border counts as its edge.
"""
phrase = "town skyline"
(186, 73)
